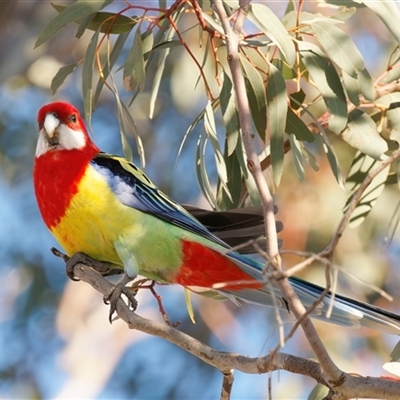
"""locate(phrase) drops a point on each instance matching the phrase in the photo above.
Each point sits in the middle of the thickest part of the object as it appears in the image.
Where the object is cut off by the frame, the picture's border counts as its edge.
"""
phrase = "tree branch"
(351, 386)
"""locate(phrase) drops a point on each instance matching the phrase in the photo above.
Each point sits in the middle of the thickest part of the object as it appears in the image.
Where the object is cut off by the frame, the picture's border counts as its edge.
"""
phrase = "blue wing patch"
(134, 189)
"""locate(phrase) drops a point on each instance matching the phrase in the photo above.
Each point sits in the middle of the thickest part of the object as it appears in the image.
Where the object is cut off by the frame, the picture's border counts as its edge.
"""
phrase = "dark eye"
(73, 118)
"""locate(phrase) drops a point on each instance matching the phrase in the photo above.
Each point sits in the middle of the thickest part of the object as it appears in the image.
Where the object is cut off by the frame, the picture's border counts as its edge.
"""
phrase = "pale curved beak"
(51, 123)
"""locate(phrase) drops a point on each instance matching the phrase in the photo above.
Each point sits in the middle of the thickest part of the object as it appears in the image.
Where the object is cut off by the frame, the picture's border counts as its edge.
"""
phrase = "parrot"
(105, 207)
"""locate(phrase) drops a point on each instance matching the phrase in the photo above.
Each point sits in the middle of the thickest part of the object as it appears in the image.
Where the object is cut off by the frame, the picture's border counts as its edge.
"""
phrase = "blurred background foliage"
(55, 339)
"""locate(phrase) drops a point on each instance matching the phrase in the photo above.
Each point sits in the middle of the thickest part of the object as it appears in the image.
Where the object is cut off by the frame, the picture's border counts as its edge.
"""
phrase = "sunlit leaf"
(277, 111)
(108, 65)
(395, 354)
(134, 72)
(296, 126)
(73, 13)
(339, 47)
(211, 131)
(392, 101)
(61, 75)
(362, 134)
(366, 84)
(229, 114)
(389, 13)
(167, 45)
(328, 149)
(201, 171)
(256, 94)
(267, 21)
(297, 157)
(327, 81)
(189, 305)
(318, 393)
(106, 22)
(361, 166)
(352, 88)
(87, 77)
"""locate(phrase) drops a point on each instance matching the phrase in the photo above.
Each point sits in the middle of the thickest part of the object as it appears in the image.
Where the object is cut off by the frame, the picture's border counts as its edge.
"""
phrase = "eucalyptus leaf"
(296, 126)
(362, 134)
(392, 102)
(361, 166)
(61, 75)
(327, 81)
(297, 157)
(256, 94)
(277, 111)
(267, 21)
(134, 72)
(73, 13)
(339, 48)
(87, 77)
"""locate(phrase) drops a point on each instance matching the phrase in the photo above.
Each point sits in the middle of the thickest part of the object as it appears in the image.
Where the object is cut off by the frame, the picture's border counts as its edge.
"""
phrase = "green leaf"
(392, 101)
(106, 22)
(327, 81)
(211, 131)
(362, 134)
(362, 164)
(328, 149)
(134, 72)
(61, 75)
(277, 111)
(87, 77)
(256, 94)
(73, 13)
(83, 24)
(296, 127)
(229, 114)
(389, 13)
(318, 393)
(297, 157)
(339, 48)
(352, 89)
(267, 21)
(366, 85)
(234, 182)
(108, 65)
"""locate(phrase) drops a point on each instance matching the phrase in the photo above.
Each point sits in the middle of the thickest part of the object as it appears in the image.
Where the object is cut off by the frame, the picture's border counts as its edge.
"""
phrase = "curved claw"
(115, 293)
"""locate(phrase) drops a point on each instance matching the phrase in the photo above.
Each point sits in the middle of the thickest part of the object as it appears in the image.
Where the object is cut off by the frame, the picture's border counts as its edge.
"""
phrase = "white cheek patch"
(70, 139)
(42, 145)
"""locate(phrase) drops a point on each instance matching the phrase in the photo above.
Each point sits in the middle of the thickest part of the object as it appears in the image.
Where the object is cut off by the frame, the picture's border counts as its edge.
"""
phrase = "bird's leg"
(115, 293)
(161, 307)
(103, 267)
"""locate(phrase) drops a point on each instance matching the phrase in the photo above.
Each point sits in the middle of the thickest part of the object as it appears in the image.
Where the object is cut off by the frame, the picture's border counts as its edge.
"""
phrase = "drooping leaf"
(229, 114)
(389, 13)
(352, 88)
(83, 25)
(211, 131)
(105, 22)
(339, 47)
(366, 85)
(327, 81)
(234, 182)
(267, 21)
(296, 126)
(73, 13)
(61, 75)
(392, 101)
(256, 94)
(87, 77)
(108, 65)
(297, 157)
(362, 134)
(328, 149)
(318, 393)
(134, 72)
(201, 171)
(362, 164)
(277, 111)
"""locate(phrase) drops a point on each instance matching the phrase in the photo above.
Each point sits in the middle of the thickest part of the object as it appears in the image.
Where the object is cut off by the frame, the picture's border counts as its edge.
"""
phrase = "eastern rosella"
(106, 207)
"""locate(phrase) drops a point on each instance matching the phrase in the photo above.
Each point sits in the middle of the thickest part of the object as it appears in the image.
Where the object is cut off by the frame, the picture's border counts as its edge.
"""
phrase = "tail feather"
(344, 311)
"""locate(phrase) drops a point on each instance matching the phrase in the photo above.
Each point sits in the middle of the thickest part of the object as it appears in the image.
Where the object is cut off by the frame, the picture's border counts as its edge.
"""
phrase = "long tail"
(345, 311)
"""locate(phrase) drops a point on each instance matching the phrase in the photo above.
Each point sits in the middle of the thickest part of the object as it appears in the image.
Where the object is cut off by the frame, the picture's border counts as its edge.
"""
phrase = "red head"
(61, 128)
